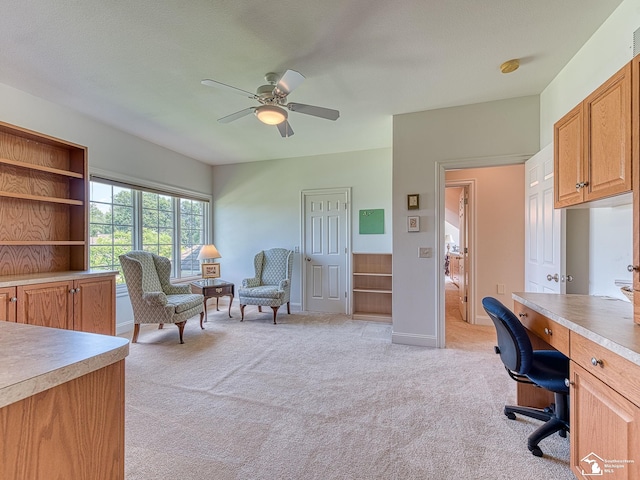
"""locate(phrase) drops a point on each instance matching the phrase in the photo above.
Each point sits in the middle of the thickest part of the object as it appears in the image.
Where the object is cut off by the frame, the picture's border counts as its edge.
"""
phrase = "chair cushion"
(185, 302)
(549, 369)
(265, 291)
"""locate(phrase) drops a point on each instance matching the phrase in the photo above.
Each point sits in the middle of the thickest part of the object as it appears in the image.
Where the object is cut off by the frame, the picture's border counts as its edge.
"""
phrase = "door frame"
(346, 191)
(469, 265)
(440, 167)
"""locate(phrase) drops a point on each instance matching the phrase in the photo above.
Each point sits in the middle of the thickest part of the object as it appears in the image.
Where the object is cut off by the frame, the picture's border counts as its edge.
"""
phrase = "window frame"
(177, 194)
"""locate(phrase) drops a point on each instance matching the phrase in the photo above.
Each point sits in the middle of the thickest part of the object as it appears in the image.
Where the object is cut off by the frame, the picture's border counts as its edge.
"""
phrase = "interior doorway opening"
(493, 250)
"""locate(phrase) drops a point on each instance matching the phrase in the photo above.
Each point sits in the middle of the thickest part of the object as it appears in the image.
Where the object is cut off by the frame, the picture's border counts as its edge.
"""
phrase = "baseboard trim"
(124, 327)
(414, 339)
(483, 320)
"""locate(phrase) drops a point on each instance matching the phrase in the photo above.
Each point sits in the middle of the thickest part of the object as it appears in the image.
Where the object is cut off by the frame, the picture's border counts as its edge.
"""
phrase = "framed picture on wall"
(413, 224)
(413, 201)
(210, 270)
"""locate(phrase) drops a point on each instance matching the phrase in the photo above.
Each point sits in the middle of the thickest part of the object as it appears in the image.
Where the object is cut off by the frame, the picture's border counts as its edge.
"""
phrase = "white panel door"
(544, 230)
(463, 281)
(325, 253)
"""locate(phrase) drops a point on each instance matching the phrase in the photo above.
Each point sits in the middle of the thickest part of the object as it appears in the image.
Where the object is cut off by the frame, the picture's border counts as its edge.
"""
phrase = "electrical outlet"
(296, 249)
(425, 252)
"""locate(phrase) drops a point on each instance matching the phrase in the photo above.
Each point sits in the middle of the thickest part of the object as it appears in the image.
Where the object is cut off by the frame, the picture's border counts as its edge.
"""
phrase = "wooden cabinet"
(73, 430)
(44, 231)
(86, 304)
(8, 302)
(605, 417)
(43, 211)
(635, 121)
(372, 283)
(592, 157)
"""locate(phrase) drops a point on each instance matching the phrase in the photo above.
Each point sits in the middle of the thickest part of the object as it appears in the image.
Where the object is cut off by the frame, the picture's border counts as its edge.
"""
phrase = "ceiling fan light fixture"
(271, 114)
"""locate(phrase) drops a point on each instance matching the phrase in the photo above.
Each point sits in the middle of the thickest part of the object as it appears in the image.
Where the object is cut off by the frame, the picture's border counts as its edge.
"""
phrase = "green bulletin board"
(372, 221)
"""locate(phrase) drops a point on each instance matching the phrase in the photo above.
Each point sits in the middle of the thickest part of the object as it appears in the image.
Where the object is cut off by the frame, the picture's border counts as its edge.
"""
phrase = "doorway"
(494, 234)
(325, 253)
(458, 249)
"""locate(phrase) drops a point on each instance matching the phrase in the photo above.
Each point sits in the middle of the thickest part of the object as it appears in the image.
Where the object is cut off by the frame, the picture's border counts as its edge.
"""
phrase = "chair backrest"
(273, 266)
(143, 279)
(515, 347)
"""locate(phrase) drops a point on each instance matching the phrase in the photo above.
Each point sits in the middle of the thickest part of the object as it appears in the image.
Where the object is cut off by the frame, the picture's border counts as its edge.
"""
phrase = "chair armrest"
(172, 289)
(283, 284)
(251, 282)
(155, 298)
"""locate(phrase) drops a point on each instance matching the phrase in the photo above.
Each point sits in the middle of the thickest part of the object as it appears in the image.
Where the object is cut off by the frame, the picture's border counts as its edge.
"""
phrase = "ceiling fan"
(273, 100)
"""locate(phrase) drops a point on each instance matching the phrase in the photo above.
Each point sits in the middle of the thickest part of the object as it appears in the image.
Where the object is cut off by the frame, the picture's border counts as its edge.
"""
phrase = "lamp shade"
(448, 238)
(271, 114)
(208, 251)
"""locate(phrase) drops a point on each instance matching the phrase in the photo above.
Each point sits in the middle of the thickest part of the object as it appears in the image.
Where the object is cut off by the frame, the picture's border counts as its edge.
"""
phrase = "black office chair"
(547, 369)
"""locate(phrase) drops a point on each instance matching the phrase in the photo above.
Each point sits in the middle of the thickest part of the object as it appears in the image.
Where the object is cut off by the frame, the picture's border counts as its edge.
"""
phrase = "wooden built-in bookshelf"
(43, 195)
(372, 286)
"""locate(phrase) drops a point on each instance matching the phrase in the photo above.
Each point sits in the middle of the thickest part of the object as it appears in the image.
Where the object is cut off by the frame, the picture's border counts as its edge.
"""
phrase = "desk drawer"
(617, 372)
(551, 332)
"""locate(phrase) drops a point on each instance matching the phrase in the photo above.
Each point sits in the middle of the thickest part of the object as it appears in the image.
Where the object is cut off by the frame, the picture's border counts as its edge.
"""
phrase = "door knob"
(569, 278)
(308, 259)
(553, 277)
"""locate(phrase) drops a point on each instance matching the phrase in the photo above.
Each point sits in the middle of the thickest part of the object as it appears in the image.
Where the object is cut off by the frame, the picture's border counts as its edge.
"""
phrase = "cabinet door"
(607, 137)
(8, 304)
(604, 426)
(46, 304)
(635, 171)
(95, 305)
(567, 159)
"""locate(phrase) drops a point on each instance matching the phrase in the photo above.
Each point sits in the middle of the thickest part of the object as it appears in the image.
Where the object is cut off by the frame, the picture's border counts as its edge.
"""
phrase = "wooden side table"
(213, 287)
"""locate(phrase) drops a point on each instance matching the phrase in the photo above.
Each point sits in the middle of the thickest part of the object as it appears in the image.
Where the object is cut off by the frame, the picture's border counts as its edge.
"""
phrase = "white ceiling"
(137, 65)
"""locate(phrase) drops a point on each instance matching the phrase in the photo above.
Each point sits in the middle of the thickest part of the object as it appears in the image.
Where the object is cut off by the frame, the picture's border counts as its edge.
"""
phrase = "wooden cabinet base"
(74, 430)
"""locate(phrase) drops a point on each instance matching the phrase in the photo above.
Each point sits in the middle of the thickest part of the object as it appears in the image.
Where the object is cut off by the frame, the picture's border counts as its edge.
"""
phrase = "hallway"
(460, 334)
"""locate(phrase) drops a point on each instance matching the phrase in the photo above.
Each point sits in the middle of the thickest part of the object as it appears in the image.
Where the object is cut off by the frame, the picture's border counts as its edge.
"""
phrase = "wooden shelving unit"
(43, 203)
(372, 286)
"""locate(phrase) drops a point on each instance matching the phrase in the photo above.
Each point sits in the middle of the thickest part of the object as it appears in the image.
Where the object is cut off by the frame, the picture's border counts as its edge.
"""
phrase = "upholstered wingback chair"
(153, 298)
(271, 286)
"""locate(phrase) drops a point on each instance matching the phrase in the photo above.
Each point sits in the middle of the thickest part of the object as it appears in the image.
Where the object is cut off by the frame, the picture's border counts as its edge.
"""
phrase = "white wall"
(610, 48)
(110, 150)
(257, 205)
(478, 135)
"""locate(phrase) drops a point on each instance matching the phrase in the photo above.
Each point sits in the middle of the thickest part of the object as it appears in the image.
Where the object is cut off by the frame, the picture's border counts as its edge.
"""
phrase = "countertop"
(34, 278)
(34, 359)
(604, 320)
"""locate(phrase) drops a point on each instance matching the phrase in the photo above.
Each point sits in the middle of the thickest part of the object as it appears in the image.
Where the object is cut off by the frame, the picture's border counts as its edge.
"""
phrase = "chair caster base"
(535, 451)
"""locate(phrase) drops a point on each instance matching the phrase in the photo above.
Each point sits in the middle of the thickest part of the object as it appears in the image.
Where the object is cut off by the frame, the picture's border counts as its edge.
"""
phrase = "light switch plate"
(425, 252)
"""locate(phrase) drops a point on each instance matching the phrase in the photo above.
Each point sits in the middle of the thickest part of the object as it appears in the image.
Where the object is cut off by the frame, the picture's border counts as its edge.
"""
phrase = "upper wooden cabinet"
(43, 203)
(592, 143)
(635, 126)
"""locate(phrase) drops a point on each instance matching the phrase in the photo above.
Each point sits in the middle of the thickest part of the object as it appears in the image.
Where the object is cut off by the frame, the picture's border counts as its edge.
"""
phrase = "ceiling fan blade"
(289, 81)
(213, 83)
(285, 129)
(237, 115)
(321, 112)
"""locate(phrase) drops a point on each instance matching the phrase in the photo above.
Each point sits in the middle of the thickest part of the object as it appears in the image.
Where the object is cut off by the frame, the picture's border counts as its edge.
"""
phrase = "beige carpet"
(323, 397)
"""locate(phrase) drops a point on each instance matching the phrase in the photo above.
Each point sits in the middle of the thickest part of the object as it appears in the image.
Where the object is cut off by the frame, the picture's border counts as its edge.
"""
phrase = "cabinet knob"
(548, 331)
(633, 268)
(522, 314)
(568, 383)
(13, 299)
(596, 362)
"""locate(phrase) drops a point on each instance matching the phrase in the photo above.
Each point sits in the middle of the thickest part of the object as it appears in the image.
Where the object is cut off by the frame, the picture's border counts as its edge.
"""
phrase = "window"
(124, 219)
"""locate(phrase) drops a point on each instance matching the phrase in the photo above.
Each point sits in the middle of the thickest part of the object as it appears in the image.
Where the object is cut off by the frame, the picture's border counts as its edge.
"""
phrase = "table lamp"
(448, 239)
(209, 269)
